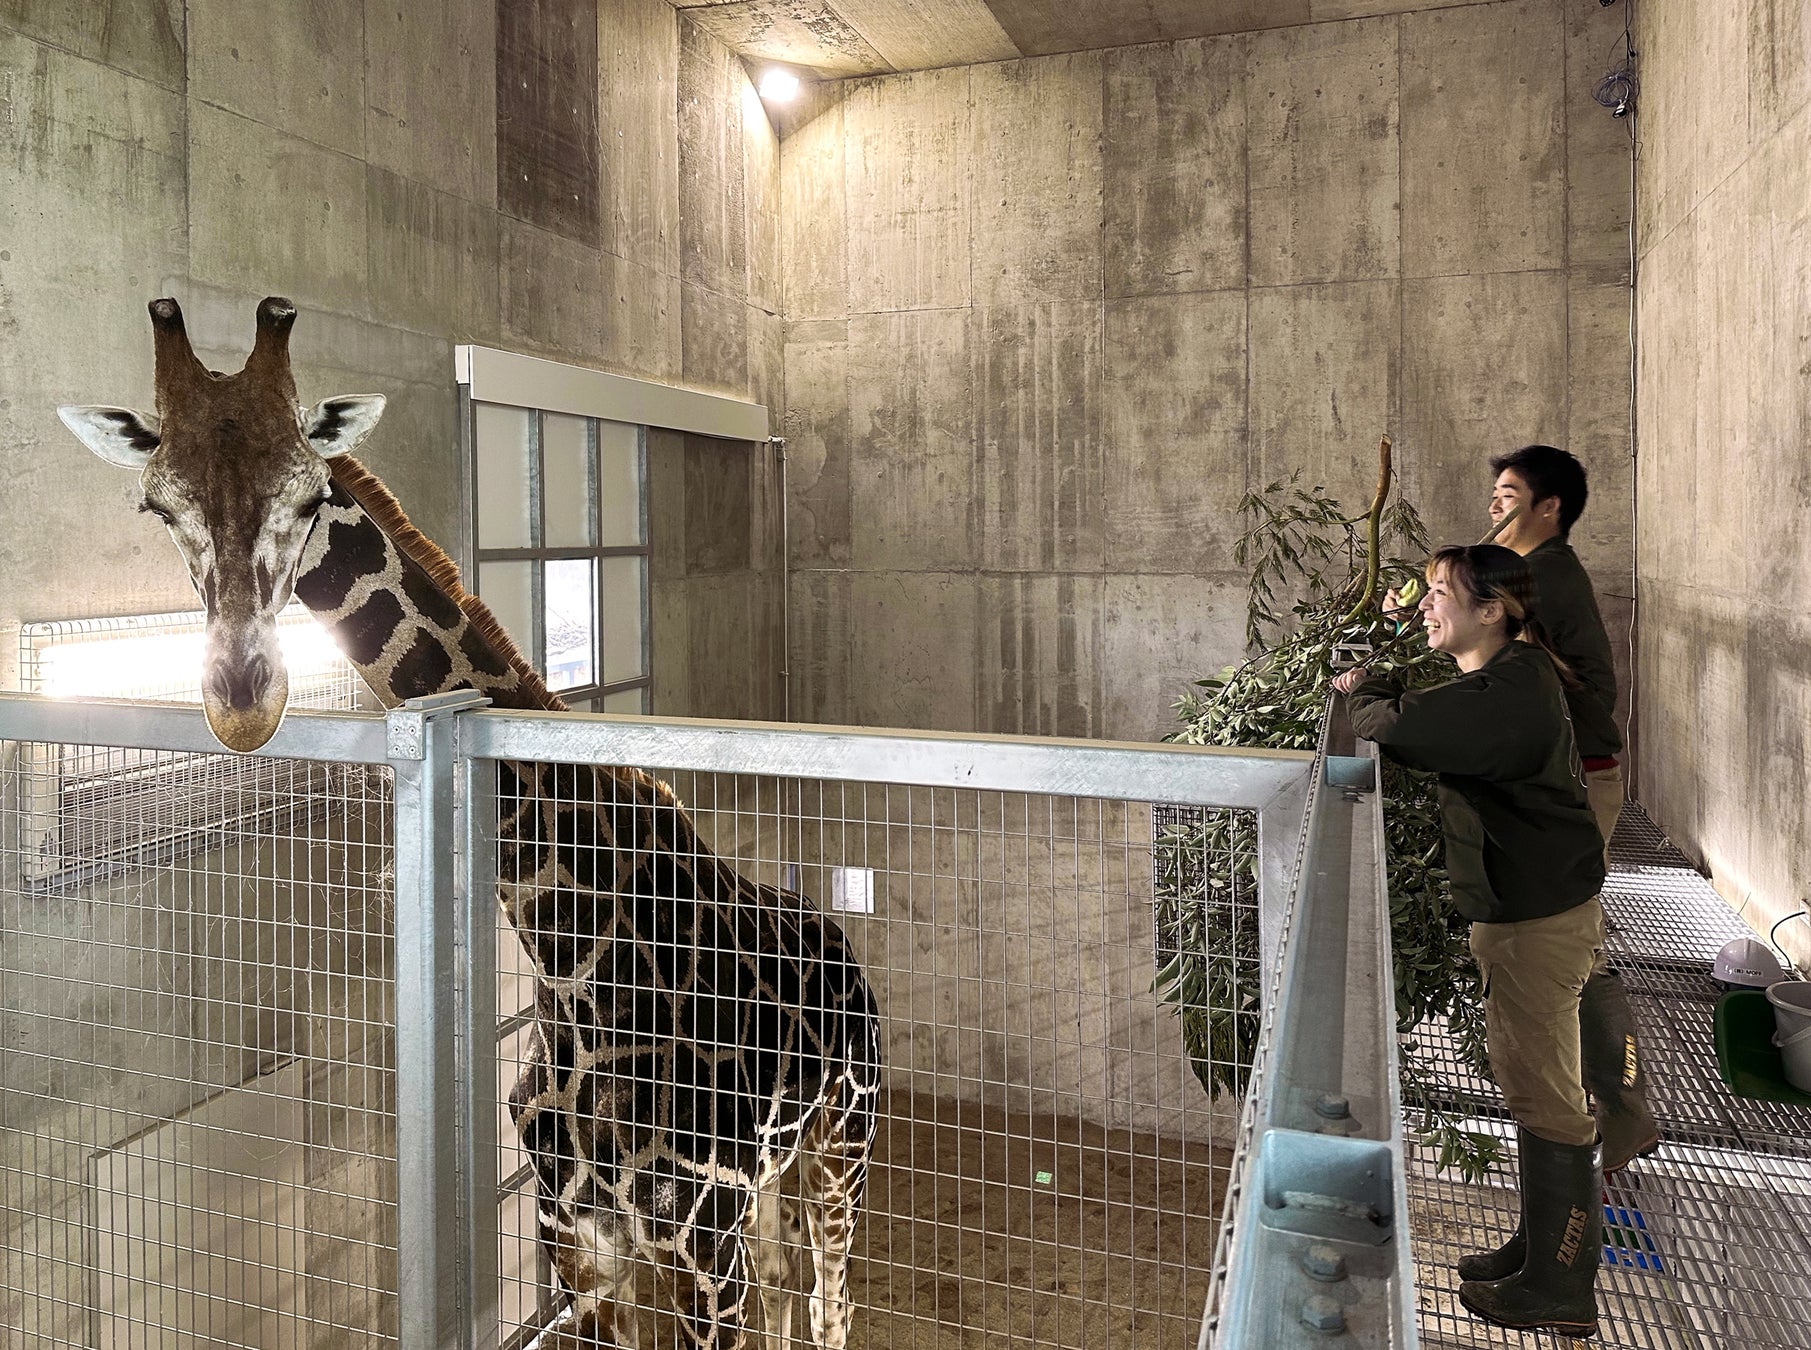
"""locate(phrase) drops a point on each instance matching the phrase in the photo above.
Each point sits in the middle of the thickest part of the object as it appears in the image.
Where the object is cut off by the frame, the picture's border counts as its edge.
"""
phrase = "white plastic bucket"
(1791, 1000)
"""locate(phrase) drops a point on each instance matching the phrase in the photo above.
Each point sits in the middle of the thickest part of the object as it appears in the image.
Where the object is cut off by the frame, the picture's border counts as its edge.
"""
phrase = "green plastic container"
(1746, 1055)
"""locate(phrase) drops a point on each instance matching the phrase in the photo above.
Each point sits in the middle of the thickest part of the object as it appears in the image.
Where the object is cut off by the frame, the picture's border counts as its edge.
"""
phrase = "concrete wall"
(1723, 230)
(590, 181)
(1048, 321)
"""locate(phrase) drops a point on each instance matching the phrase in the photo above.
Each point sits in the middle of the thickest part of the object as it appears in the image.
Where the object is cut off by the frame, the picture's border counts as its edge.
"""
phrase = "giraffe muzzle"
(245, 700)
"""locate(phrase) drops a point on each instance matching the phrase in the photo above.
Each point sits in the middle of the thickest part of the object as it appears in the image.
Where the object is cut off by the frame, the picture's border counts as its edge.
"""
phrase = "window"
(557, 528)
(90, 811)
(559, 531)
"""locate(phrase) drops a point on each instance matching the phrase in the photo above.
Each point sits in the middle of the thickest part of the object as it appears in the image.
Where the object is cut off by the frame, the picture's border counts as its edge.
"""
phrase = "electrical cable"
(1628, 63)
(1800, 913)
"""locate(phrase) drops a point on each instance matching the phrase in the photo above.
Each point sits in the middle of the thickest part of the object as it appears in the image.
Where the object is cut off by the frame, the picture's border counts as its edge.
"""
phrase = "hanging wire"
(1617, 90)
(1773, 933)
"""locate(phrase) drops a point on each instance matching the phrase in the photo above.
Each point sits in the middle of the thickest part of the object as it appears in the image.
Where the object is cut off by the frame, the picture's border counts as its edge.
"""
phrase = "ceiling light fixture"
(779, 85)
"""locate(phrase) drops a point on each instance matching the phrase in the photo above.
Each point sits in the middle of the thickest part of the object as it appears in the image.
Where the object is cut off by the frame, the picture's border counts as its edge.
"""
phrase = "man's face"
(1534, 524)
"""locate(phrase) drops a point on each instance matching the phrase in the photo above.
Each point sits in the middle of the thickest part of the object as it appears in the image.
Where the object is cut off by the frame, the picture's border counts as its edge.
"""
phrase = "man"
(1549, 487)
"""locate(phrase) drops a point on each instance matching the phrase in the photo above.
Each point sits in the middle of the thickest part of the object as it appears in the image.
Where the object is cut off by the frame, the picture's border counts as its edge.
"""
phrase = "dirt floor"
(988, 1229)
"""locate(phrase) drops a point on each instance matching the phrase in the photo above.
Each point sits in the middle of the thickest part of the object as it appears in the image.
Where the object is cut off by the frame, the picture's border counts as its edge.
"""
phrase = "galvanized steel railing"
(1315, 1242)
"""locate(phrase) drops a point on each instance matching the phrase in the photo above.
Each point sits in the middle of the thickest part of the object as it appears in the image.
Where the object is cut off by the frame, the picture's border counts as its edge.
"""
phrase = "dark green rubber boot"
(1507, 1259)
(1613, 1074)
(1562, 1223)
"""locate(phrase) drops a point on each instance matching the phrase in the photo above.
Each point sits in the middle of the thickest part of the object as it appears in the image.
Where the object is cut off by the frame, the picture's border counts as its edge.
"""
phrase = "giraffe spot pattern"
(365, 632)
(349, 550)
(428, 600)
(480, 657)
(425, 665)
(347, 564)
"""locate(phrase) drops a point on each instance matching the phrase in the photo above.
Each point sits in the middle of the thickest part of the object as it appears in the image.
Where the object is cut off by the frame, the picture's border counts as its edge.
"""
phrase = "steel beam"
(341, 737)
(1317, 1243)
(1198, 775)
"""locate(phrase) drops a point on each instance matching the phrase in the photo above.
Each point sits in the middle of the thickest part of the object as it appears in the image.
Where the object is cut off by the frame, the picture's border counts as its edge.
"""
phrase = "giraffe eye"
(157, 511)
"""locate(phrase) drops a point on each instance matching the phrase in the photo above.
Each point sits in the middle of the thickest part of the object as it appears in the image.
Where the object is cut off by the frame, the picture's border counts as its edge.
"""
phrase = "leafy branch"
(1315, 574)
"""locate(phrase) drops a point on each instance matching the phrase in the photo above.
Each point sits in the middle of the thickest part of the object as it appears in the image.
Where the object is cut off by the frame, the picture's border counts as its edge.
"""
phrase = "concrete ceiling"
(839, 38)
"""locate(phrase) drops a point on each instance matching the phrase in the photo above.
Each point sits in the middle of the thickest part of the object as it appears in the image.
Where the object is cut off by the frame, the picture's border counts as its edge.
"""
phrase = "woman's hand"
(1406, 613)
(1347, 680)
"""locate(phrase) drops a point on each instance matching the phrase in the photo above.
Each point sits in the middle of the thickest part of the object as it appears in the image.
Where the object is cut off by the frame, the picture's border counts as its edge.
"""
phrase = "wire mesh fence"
(238, 1075)
(1046, 1165)
(86, 811)
(197, 1103)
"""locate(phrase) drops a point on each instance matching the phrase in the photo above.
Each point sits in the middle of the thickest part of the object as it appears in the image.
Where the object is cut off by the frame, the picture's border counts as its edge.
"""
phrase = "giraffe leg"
(597, 1263)
(834, 1168)
(590, 1252)
(773, 1240)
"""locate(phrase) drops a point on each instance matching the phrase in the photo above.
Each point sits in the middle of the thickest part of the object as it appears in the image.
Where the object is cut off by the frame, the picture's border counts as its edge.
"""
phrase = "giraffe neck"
(395, 606)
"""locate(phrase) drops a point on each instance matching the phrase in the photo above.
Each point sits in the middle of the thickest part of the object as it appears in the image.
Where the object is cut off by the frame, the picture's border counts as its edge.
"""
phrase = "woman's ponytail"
(1535, 632)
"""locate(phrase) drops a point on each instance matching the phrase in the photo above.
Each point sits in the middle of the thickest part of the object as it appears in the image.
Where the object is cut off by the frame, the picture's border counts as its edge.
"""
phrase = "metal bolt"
(1323, 1262)
(1323, 1314)
(1332, 1106)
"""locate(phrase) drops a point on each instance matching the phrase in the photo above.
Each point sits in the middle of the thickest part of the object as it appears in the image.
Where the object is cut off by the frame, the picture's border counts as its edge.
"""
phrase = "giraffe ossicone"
(696, 1035)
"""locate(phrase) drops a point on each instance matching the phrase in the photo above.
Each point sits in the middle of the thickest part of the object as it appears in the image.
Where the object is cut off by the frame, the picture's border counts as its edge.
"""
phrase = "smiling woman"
(1525, 861)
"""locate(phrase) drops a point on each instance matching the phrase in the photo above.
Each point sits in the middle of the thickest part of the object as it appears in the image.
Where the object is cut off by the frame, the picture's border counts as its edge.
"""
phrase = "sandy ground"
(985, 1228)
(988, 1229)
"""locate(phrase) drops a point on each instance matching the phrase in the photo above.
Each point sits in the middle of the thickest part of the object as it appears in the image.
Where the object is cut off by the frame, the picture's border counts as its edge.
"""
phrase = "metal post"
(1317, 1248)
(433, 1269)
(779, 445)
(476, 1072)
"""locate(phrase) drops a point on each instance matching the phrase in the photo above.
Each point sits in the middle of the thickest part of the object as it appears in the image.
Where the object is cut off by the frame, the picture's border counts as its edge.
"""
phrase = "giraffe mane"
(387, 514)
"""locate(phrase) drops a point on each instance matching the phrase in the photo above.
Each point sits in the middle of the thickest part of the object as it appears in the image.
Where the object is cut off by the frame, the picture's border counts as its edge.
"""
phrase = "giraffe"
(695, 1034)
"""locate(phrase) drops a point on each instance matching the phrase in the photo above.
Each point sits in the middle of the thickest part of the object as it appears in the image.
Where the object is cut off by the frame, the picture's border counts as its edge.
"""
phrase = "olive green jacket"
(1521, 842)
(1567, 608)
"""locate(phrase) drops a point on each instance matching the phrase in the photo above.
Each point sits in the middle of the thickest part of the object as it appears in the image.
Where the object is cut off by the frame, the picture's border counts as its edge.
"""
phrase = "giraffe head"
(236, 470)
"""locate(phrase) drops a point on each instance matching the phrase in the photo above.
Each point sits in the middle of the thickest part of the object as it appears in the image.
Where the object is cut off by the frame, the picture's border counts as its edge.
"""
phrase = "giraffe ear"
(336, 426)
(118, 435)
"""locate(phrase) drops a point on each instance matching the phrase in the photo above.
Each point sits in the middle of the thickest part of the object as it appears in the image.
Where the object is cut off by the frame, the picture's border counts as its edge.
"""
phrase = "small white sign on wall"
(852, 890)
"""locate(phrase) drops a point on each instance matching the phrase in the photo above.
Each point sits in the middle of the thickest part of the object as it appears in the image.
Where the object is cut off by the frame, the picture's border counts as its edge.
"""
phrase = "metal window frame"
(1318, 1175)
(490, 375)
(540, 553)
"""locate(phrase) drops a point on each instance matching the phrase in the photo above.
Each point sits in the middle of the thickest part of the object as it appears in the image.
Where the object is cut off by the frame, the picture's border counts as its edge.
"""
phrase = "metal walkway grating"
(1707, 1242)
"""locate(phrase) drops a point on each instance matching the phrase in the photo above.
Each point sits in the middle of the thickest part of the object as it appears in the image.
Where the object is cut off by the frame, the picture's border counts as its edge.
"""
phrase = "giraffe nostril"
(240, 687)
(257, 678)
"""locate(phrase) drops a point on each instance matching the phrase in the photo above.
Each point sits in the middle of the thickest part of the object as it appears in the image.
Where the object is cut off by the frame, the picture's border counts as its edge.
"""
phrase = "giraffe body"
(695, 1035)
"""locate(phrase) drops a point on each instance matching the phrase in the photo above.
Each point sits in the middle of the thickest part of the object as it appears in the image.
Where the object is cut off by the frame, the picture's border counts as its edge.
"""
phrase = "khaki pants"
(1533, 973)
(1603, 788)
